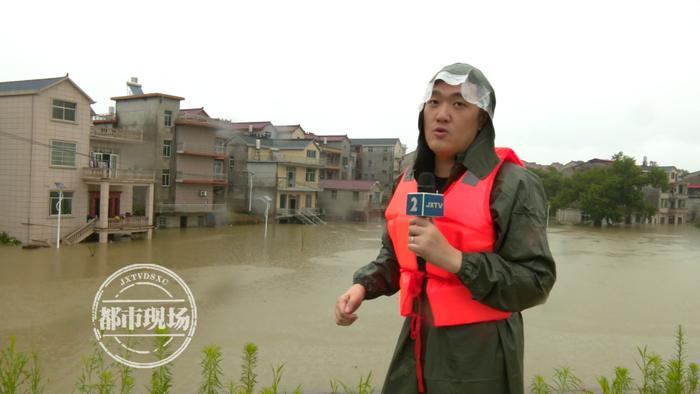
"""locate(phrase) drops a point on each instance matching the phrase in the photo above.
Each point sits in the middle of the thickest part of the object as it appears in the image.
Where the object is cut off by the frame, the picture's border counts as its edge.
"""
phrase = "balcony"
(283, 184)
(192, 149)
(201, 179)
(126, 223)
(118, 135)
(291, 159)
(189, 208)
(117, 175)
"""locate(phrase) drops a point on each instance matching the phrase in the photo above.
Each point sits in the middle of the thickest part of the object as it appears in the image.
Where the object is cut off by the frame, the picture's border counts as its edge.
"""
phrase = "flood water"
(616, 289)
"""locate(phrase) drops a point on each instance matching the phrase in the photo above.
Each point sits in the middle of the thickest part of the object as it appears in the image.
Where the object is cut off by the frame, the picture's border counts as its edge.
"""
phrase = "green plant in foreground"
(12, 368)
(539, 385)
(363, 387)
(621, 383)
(652, 369)
(211, 370)
(161, 377)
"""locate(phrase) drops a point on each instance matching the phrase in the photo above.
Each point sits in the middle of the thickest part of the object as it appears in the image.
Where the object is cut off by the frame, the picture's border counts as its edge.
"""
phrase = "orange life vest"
(467, 226)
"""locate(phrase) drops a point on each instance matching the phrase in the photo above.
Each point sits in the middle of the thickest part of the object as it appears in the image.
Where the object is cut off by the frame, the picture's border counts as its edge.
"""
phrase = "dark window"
(311, 175)
(283, 201)
(356, 196)
(167, 145)
(311, 154)
(165, 178)
(168, 118)
(63, 153)
(334, 194)
(66, 203)
(63, 110)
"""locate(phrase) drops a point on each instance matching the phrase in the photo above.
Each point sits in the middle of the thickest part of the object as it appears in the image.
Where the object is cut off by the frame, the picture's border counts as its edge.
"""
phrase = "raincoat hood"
(480, 157)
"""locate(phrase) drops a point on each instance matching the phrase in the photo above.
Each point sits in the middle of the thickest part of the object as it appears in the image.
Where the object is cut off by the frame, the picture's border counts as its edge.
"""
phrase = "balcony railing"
(118, 174)
(284, 183)
(108, 117)
(190, 148)
(126, 223)
(185, 177)
(116, 134)
(189, 208)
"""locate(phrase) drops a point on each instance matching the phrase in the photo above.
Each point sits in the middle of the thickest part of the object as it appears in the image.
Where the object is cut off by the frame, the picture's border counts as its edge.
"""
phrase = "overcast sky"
(572, 81)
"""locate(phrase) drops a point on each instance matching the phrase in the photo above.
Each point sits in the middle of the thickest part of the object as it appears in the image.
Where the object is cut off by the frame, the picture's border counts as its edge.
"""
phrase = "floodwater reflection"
(616, 289)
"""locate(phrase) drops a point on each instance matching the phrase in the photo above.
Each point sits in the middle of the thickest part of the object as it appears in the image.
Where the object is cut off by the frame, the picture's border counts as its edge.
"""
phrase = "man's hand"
(347, 304)
(426, 241)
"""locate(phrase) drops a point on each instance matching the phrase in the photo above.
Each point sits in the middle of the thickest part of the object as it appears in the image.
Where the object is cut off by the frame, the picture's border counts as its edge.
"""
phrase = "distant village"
(149, 163)
(69, 174)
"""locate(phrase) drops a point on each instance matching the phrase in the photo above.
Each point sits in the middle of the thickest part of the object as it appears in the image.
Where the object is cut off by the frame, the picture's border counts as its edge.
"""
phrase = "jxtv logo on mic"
(425, 204)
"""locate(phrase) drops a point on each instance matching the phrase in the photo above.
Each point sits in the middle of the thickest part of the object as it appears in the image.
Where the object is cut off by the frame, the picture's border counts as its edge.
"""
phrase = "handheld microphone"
(425, 203)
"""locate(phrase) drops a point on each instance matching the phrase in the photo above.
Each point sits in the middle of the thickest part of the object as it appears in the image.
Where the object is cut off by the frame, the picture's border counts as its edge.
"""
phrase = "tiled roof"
(194, 111)
(279, 144)
(34, 86)
(245, 125)
(329, 138)
(288, 128)
(347, 185)
(374, 141)
(29, 85)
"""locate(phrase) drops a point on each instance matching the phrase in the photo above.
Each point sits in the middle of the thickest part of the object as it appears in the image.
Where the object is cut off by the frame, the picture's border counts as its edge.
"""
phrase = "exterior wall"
(344, 207)
(15, 159)
(148, 115)
(377, 163)
(264, 184)
(29, 197)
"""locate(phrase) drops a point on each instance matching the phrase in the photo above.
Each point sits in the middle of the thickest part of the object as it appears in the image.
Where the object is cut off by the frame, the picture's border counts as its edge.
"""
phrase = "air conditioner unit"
(202, 193)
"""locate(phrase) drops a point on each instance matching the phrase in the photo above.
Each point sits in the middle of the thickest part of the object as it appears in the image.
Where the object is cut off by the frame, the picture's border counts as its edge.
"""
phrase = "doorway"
(183, 221)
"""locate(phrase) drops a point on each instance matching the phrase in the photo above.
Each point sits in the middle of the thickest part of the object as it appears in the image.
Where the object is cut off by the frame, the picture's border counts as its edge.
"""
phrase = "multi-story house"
(379, 159)
(337, 156)
(200, 173)
(350, 199)
(672, 205)
(285, 171)
(693, 182)
(51, 152)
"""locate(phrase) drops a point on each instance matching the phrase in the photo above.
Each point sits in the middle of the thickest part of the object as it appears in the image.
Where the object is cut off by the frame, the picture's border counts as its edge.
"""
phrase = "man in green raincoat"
(511, 269)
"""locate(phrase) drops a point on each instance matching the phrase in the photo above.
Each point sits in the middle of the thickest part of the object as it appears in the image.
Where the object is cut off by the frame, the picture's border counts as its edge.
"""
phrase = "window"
(165, 178)
(308, 201)
(310, 175)
(311, 154)
(63, 110)
(283, 201)
(386, 149)
(162, 221)
(369, 163)
(168, 118)
(334, 194)
(167, 144)
(219, 146)
(356, 196)
(63, 153)
(218, 166)
(230, 163)
(345, 161)
(369, 149)
(66, 203)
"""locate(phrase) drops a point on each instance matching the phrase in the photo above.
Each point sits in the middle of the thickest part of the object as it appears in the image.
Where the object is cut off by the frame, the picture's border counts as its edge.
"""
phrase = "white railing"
(123, 174)
(116, 134)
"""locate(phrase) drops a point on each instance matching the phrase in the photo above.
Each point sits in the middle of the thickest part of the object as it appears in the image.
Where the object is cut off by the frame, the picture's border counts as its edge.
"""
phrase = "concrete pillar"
(149, 209)
(104, 210)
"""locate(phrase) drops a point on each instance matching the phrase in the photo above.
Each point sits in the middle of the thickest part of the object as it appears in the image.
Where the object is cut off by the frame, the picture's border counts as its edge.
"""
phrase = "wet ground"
(617, 289)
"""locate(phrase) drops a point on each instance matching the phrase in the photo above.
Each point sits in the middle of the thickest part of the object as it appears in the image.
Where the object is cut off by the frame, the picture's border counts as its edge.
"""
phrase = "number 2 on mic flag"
(424, 204)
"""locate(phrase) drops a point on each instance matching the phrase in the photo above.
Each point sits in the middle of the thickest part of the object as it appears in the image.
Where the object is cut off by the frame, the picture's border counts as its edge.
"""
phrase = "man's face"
(450, 123)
